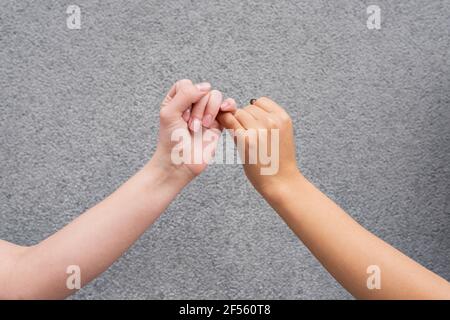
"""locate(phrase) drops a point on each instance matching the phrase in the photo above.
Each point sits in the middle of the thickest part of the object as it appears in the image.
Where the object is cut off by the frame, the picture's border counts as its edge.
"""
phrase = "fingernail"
(204, 86)
(225, 105)
(196, 125)
(207, 120)
(186, 114)
(252, 101)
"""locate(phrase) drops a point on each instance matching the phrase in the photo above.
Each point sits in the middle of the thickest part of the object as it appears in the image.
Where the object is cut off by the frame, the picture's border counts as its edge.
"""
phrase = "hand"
(188, 128)
(274, 138)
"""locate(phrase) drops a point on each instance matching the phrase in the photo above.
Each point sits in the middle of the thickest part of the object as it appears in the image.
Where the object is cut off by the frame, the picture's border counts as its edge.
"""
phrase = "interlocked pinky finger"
(228, 105)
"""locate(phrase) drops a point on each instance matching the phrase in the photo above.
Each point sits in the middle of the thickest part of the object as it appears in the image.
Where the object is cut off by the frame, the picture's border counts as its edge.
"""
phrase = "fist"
(264, 136)
(188, 125)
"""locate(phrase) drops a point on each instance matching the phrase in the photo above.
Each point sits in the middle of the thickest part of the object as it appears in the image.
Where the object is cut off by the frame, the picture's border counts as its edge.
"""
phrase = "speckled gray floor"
(371, 112)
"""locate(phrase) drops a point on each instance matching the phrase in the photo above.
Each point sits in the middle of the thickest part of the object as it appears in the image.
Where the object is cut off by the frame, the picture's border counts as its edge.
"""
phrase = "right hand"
(190, 109)
(265, 114)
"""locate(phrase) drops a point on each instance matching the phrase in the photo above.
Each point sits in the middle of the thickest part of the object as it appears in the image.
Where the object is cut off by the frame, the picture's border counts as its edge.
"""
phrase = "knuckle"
(164, 113)
(215, 98)
(184, 82)
(231, 100)
(263, 99)
(188, 91)
(238, 113)
(285, 118)
(185, 86)
(215, 92)
(271, 123)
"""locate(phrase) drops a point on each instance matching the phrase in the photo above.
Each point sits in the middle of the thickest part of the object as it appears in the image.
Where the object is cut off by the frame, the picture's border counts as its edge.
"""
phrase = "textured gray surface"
(371, 112)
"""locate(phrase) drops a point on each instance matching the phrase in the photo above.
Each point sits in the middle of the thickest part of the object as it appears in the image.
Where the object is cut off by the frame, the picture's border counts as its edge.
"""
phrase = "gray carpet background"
(79, 115)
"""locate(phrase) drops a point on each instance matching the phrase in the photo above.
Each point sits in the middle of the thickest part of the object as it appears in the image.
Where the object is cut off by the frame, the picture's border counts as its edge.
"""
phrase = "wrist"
(283, 187)
(152, 188)
(161, 168)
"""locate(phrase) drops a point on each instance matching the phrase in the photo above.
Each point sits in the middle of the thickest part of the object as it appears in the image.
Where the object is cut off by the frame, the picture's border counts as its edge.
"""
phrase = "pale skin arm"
(342, 245)
(102, 234)
(93, 241)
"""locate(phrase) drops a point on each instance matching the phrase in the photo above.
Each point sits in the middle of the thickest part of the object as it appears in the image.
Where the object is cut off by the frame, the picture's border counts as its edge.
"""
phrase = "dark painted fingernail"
(252, 101)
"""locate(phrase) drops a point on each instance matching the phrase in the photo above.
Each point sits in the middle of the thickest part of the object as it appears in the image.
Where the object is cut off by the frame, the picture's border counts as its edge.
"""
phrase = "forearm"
(98, 237)
(346, 249)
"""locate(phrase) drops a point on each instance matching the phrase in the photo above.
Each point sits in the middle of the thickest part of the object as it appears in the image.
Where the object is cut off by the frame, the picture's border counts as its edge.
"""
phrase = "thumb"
(186, 94)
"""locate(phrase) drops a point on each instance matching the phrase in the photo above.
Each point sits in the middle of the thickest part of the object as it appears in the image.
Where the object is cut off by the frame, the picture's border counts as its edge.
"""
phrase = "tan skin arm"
(343, 246)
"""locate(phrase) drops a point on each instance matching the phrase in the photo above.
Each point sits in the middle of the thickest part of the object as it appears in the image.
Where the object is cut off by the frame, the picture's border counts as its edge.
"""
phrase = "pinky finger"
(228, 105)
